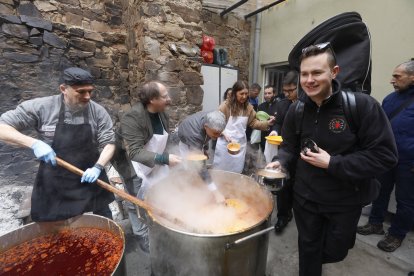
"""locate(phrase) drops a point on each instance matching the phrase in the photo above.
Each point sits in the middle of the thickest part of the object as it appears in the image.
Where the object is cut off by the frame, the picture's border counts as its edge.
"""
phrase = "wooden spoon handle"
(124, 195)
(111, 188)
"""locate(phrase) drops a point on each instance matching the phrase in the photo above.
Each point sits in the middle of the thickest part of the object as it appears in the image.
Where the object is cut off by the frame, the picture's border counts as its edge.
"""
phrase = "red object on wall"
(208, 56)
(208, 43)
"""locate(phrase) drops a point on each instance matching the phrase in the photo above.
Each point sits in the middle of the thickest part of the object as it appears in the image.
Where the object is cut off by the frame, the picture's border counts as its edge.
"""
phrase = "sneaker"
(411, 273)
(369, 229)
(389, 243)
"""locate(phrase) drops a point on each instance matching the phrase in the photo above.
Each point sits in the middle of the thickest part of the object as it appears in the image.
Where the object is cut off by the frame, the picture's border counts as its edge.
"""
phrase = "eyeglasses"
(288, 91)
(165, 96)
(321, 46)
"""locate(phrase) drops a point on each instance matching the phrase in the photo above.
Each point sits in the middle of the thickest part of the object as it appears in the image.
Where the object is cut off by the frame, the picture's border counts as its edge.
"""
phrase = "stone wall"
(163, 42)
(163, 38)
(38, 39)
(233, 33)
(123, 43)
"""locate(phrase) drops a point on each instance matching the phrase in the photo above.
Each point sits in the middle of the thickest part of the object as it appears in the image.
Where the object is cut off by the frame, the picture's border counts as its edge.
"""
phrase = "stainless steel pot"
(273, 180)
(37, 229)
(174, 251)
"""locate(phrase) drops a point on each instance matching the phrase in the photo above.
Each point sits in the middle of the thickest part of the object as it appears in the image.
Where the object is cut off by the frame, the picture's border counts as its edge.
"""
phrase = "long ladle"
(123, 194)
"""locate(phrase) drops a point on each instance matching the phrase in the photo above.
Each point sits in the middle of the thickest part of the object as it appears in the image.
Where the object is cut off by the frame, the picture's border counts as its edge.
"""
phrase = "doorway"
(274, 75)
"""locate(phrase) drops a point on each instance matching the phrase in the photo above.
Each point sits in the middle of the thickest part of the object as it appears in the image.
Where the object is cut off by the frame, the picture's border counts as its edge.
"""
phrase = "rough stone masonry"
(123, 43)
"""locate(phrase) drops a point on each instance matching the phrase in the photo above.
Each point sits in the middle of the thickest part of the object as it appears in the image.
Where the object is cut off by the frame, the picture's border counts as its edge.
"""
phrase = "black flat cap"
(77, 76)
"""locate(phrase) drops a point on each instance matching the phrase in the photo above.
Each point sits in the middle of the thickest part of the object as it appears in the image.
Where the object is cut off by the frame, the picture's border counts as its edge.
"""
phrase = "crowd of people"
(330, 179)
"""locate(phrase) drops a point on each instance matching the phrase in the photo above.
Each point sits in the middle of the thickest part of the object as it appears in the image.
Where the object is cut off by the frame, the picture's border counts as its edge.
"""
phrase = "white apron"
(236, 130)
(149, 175)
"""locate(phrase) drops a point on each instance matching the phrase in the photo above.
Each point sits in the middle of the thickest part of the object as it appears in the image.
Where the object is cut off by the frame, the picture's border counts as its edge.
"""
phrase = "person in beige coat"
(239, 114)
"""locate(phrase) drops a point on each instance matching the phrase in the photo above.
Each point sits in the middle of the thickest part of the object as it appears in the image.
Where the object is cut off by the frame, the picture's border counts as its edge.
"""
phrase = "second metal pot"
(273, 180)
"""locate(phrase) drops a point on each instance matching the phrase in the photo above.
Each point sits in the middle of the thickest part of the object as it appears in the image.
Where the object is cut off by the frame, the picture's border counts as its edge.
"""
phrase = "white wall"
(391, 23)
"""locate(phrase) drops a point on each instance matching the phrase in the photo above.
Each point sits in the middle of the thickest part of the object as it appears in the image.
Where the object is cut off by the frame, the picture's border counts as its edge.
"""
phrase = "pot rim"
(271, 174)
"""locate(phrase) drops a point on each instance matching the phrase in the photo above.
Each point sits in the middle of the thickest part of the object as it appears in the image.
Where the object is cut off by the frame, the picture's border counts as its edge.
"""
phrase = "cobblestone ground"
(10, 199)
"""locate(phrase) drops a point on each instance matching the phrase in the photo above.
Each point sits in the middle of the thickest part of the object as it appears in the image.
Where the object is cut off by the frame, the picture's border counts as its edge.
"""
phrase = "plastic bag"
(270, 151)
(208, 43)
(207, 56)
(256, 136)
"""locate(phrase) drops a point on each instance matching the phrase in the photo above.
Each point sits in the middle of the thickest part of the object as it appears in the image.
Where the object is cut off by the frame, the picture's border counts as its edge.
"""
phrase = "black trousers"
(284, 200)
(325, 236)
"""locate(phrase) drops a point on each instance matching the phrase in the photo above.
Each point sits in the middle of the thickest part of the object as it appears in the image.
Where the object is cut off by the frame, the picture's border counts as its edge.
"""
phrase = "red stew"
(80, 251)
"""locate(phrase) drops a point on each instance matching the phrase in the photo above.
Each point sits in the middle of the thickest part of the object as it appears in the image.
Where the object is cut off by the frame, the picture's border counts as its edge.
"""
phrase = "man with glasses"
(144, 129)
(284, 197)
(74, 128)
(335, 178)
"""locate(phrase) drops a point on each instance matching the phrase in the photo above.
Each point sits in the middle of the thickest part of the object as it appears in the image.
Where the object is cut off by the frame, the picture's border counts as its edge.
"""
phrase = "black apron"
(59, 194)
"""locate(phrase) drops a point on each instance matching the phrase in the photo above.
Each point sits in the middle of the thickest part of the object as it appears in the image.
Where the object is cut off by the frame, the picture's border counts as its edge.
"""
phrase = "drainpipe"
(256, 48)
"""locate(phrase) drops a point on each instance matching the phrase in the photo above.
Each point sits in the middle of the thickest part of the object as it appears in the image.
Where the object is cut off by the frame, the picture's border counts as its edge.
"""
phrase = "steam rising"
(184, 195)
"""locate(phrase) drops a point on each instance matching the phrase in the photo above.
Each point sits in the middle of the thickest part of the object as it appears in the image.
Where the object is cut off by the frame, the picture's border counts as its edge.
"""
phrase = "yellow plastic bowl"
(233, 148)
(274, 140)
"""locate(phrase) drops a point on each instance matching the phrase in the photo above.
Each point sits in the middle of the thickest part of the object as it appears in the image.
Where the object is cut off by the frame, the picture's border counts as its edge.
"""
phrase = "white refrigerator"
(216, 80)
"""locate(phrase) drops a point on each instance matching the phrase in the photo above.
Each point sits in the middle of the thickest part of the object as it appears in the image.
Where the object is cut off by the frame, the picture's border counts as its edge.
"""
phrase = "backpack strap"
(299, 110)
(348, 104)
(350, 110)
(401, 108)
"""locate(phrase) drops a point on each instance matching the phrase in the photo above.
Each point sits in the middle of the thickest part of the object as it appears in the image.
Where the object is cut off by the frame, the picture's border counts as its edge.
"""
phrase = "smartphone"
(309, 144)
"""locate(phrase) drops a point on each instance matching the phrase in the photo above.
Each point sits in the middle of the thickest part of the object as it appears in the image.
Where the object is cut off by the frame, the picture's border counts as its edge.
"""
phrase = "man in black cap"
(74, 128)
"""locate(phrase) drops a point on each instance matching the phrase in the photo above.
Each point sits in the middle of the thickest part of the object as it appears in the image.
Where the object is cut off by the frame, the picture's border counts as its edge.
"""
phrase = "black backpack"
(351, 41)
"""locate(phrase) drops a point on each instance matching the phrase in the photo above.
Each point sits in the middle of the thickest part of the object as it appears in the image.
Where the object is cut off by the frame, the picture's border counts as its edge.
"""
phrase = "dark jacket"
(282, 108)
(356, 158)
(403, 123)
(136, 131)
(191, 131)
(269, 108)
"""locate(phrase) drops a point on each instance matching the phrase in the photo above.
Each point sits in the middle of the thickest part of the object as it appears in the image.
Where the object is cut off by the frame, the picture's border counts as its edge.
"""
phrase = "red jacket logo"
(337, 125)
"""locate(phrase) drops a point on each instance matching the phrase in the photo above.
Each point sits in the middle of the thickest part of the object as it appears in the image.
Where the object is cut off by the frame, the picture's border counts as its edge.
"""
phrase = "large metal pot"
(36, 229)
(174, 251)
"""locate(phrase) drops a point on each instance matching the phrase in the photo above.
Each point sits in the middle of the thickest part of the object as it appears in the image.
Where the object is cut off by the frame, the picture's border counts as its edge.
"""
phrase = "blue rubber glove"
(44, 152)
(91, 175)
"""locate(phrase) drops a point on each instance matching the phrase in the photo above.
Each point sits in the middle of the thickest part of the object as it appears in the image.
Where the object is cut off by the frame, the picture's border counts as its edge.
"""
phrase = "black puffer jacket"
(356, 158)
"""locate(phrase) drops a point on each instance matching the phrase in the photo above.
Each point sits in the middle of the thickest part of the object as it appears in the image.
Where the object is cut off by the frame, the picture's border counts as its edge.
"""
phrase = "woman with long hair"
(239, 114)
